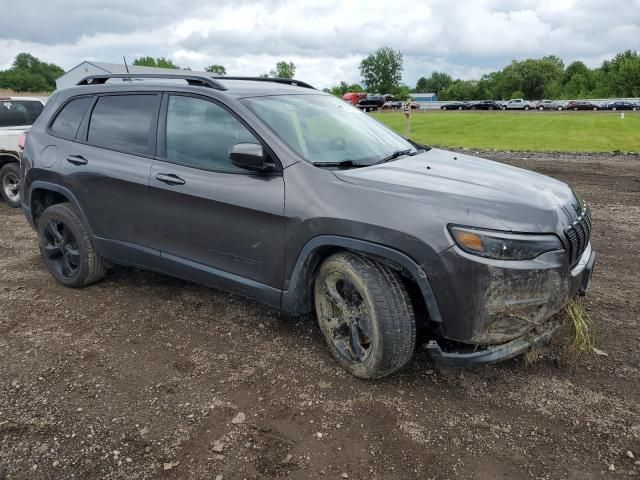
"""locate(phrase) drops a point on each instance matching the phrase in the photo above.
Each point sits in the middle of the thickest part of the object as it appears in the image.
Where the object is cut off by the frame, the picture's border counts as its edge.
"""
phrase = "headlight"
(504, 245)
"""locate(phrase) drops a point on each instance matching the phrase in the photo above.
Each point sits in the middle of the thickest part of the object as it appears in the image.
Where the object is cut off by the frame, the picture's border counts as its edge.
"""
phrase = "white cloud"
(326, 42)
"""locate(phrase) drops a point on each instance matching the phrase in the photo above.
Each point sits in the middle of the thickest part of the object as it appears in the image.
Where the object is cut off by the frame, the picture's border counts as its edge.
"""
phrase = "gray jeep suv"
(274, 190)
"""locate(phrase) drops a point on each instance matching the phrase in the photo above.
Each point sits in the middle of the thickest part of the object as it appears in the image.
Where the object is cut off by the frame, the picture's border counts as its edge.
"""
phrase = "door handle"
(77, 160)
(170, 179)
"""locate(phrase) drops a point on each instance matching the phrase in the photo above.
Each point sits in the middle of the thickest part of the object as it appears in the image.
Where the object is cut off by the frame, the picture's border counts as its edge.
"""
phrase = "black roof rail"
(285, 81)
(190, 78)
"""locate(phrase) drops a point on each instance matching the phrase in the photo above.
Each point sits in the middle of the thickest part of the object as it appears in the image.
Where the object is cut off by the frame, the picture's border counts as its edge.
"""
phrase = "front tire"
(365, 315)
(67, 248)
(10, 184)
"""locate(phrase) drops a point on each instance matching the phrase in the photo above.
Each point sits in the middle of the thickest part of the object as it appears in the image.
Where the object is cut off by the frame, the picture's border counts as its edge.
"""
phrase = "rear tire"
(541, 108)
(365, 315)
(10, 184)
(526, 108)
(67, 248)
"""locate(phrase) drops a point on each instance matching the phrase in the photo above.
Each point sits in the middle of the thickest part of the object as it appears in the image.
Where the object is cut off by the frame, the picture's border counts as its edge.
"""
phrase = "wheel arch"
(297, 297)
(8, 157)
(43, 194)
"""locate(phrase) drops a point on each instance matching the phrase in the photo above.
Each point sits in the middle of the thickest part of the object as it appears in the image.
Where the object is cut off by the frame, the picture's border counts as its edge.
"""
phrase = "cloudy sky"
(325, 39)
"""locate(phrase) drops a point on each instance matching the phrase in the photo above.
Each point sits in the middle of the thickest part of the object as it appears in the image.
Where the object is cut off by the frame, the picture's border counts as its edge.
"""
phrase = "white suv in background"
(17, 114)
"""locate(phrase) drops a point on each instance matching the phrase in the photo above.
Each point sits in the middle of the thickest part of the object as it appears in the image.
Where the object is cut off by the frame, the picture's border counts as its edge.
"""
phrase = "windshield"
(325, 129)
(14, 113)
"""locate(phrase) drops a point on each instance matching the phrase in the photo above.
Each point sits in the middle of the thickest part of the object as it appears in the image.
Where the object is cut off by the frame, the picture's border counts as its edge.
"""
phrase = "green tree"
(217, 69)
(460, 90)
(30, 74)
(160, 62)
(343, 87)
(283, 70)
(436, 83)
(382, 70)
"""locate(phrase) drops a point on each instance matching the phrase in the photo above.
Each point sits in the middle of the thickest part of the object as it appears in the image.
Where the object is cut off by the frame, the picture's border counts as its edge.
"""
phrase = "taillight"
(22, 140)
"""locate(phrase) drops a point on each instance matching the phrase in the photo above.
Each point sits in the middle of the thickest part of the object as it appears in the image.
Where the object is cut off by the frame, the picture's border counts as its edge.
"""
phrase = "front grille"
(578, 235)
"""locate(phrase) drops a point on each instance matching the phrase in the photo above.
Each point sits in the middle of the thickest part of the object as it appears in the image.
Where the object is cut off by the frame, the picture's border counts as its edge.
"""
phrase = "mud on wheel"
(365, 315)
(67, 248)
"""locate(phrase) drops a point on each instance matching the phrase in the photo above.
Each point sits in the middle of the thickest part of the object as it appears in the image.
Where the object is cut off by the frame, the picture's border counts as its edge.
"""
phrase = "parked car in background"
(379, 236)
(371, 102)
(621, 105)
(394, 105)
(16, 116)
(581, 105)
(549, 105)
(517, 104)
(455, 106)
(485, 105)
(354, 97)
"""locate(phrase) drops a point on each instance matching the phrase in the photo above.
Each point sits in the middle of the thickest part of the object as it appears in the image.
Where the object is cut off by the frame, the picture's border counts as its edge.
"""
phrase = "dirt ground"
(143, 376)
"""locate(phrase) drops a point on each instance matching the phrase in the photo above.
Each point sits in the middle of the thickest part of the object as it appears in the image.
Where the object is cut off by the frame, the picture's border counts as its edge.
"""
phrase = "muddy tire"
(365, 315)
(67, 248)
(10, 184)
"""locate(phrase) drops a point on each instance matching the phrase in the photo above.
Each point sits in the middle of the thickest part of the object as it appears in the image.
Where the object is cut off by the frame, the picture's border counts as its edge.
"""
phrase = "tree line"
(29, 74)
(381, 72)
(533, 79)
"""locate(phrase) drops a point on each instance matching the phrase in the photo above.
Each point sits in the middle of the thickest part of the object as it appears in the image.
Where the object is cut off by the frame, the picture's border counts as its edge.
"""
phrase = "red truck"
(354, 97)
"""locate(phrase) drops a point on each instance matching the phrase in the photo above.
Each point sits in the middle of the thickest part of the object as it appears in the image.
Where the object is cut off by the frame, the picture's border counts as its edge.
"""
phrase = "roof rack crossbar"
(190, 78)
(285, 81)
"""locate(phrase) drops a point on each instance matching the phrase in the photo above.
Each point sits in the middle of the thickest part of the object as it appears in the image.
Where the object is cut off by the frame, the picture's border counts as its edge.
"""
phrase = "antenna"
(126, 68)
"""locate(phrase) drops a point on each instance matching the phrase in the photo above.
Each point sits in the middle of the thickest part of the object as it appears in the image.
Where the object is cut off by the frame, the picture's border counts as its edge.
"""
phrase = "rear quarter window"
(67, 122)
(125, 123)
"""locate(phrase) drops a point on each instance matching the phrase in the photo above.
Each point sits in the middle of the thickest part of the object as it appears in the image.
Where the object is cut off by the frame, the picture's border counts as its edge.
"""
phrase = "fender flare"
(65, 192)
(293, 298)
(11, 155)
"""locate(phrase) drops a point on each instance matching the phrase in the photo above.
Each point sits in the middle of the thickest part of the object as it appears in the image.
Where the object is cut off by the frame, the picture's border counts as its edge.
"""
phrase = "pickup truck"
(372, 102)
(17, 114)
(517, 104)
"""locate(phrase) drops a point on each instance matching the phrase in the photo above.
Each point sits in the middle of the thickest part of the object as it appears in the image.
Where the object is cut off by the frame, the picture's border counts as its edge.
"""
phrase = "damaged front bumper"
(490, 354)
(496, 311)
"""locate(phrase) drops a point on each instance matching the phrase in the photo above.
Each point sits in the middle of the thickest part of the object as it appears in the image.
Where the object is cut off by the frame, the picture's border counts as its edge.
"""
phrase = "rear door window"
(70, 117)
(125, 123)
(15, 113)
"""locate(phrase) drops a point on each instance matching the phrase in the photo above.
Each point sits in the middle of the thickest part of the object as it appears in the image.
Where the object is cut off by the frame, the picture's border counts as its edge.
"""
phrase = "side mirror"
(250, 156)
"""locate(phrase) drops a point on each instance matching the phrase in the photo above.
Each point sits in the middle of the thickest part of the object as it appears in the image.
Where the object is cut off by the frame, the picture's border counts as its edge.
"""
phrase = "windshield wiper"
(340, 164)
(396, 154)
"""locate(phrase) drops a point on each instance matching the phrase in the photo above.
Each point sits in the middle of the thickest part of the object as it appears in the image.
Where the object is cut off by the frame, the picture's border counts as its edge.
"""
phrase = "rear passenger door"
(217, 224)
(108, 169)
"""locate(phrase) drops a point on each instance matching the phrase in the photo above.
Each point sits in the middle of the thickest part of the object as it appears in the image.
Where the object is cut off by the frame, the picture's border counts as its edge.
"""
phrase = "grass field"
(533, 131)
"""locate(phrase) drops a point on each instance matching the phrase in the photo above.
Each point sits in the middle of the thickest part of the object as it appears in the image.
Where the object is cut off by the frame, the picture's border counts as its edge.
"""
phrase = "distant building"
(86, 68)
(424, 97)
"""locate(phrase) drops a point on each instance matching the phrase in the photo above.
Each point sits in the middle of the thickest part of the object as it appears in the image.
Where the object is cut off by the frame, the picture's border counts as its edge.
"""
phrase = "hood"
(520, 199)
